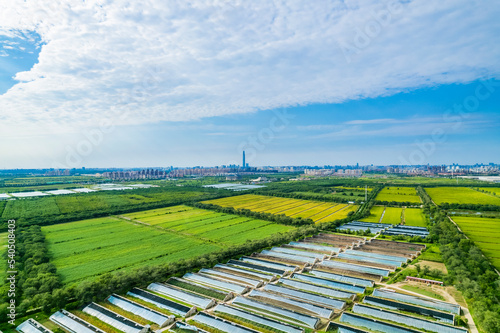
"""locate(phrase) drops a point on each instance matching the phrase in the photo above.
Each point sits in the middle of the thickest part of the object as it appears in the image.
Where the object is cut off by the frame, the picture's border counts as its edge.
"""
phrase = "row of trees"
(280, 219)
(154, 198)
(478, 207)
(37, 280)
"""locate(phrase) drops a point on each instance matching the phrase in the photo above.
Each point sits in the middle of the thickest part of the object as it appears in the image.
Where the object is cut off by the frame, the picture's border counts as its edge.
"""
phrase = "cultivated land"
(78, 206)
(485, 232)
(461, 195)
(398, 194)
(414, 217)
(3, 251)
(394, 215)
(90, 247)
(315, 210)
(491, 190)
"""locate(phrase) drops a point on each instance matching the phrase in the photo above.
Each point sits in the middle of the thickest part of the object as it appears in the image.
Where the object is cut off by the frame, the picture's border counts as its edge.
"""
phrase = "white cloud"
(150, 61)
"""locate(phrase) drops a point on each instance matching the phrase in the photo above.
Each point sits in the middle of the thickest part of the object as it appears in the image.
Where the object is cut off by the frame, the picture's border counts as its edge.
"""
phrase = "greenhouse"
(277, 312)
(358, 257)
(406, 320)
(215, 283)
(32, 326)
(343, 278)
(111, 318)
(242, 271)
(221, 324)
(304, 253)
(393, 305)
(237, 278)
(182, 295)
(72, 323)
(429, 303)
(311, 308)
(288, 256)
(328, 302)
(316, 247)
(162, 303)
(328, 283)
(267, 263)
(254, 318)
(316, 289)
(356, 268)
(255, 267)
(379, 256)
(140, 310)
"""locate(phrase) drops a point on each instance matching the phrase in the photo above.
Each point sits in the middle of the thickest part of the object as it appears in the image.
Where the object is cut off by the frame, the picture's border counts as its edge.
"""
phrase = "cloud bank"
(149, 61)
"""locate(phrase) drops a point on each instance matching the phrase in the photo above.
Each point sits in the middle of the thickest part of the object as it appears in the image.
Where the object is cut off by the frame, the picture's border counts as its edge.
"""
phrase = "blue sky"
(110, 84)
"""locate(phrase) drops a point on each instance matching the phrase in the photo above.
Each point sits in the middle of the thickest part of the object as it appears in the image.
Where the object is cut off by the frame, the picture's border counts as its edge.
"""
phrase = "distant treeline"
(40, 286)
(37, 282)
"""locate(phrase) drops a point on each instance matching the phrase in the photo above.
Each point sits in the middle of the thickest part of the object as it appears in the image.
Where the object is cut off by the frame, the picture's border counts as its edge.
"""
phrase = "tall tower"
(244, 165)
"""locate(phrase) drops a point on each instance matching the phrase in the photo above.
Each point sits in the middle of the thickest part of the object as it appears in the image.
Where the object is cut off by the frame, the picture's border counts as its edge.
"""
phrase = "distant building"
(244, 164)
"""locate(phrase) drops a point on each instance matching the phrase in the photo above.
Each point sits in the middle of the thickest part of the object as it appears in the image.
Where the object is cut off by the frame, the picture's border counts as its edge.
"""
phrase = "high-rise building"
(244, 165)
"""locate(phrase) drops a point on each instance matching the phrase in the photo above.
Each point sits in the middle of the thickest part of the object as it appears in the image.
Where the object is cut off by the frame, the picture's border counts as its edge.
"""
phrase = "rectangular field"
(87, 248)
(485, 232)
(414, 217)
(461, 195)
(398, 194)
(375, 214)
(316, 210)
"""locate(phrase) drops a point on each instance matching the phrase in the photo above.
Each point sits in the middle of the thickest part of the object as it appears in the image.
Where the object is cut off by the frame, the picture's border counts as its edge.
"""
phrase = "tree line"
(40, 287)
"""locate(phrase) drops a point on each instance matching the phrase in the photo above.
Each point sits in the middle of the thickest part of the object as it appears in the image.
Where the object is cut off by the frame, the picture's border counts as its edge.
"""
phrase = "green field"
(414, 217)
(90, 247)
(461, 195)
(381, 214)
(398, 194)
(485, 232)
(315, 210)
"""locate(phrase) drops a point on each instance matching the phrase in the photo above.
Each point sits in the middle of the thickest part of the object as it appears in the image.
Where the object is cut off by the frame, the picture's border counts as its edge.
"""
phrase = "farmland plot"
(398, 194)
(375, 214)
(315, 210)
